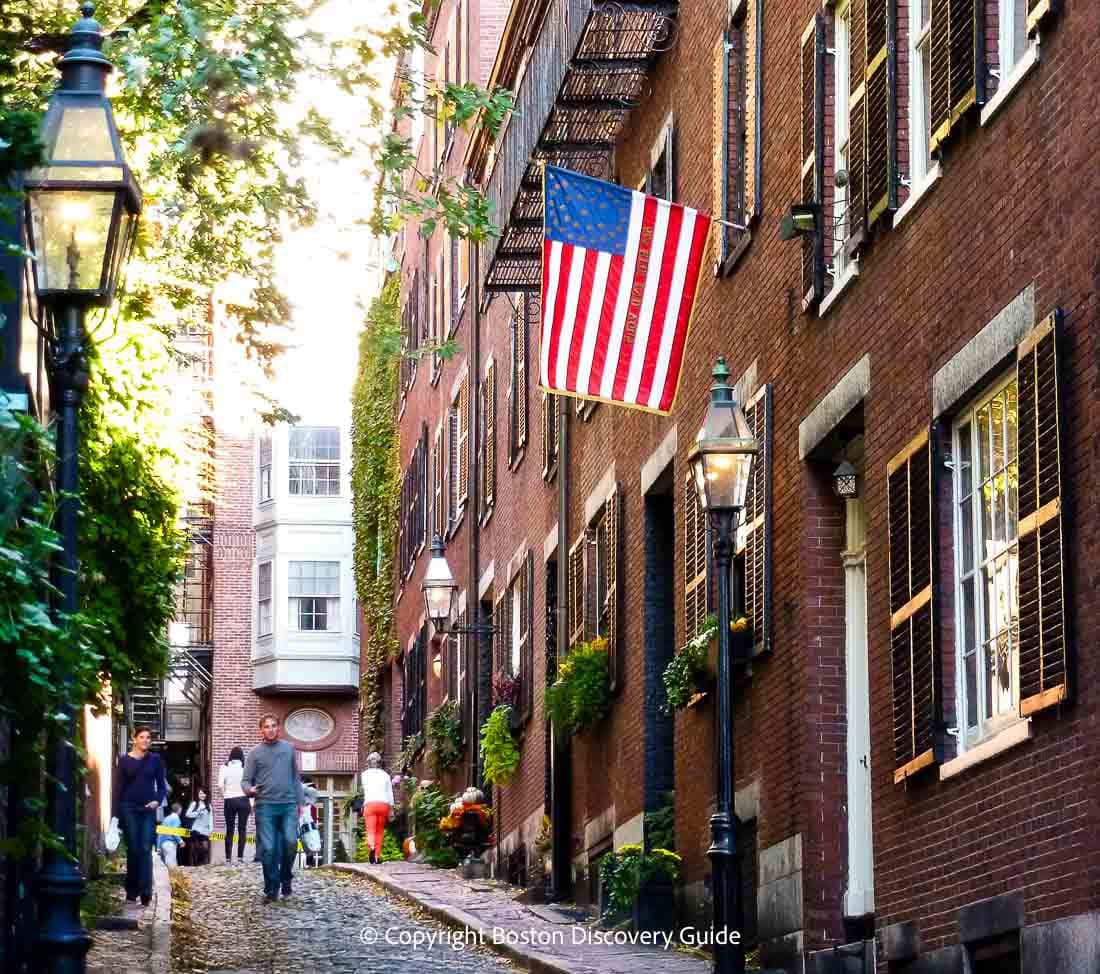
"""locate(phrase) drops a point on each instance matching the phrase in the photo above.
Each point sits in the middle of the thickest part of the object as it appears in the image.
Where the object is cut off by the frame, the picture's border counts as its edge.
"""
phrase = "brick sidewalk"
(490, 908)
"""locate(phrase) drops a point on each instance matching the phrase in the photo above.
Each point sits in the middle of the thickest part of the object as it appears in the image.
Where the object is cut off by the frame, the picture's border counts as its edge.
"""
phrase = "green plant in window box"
(581, 695)
(499, 753)
(443, 734)
(689, 672)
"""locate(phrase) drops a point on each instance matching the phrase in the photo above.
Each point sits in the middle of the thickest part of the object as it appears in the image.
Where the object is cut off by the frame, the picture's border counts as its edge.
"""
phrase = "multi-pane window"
(986, 561)
(841, 78)
(315, 461)
(263, 599)
(415, 686)
(265, 467)
(314, 590)
(920, 90)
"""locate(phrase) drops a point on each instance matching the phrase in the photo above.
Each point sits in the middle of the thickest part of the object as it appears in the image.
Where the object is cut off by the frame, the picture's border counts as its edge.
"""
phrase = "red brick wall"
(1015, 206)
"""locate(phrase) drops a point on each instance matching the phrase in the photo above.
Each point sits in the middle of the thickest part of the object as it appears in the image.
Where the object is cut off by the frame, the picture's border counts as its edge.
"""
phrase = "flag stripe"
(607, 315)
(647, 314)
(569, 313)
(622, 299)
(635, 295)
(659, 324)
(588, 274)
(564, 260)
(551, 252)
(582, 380)
(695, 262)
(672, 313)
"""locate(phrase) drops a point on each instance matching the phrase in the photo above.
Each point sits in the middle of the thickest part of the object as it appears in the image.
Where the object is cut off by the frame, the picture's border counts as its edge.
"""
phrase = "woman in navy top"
(139, 788)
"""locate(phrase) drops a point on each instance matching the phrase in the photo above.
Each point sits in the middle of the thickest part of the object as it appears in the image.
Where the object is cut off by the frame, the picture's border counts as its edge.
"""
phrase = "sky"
(331, 270)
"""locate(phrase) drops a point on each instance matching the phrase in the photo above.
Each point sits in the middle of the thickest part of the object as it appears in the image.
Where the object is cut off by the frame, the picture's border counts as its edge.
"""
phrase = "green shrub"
(498, 747)
(661, 825)
(429, 806)
(391, 849)
(443, 734)
(622, 873)
(581, 695)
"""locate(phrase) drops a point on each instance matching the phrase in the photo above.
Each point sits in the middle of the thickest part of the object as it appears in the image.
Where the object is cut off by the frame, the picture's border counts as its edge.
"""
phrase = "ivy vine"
(375, 486)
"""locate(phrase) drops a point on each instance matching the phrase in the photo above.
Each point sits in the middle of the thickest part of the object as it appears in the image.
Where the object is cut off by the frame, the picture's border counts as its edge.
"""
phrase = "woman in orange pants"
(377, 804)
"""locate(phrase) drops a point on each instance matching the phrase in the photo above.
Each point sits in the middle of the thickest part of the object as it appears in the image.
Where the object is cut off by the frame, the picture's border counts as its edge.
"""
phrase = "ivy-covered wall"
(375, 489)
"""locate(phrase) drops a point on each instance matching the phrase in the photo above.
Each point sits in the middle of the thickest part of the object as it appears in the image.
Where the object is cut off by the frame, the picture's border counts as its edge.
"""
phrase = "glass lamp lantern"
(83, 203)
(846, 481)
(439, 587)
(721, 457)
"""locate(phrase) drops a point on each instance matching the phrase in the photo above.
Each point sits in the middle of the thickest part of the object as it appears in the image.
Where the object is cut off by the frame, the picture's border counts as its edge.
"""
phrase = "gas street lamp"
(721, 461)
(82, 208)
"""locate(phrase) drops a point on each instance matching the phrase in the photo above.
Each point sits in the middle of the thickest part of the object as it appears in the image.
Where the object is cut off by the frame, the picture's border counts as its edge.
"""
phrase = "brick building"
(913, 711)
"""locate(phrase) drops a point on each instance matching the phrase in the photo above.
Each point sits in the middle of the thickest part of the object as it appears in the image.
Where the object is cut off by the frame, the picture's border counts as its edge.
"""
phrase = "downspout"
(473, 602)
(562, 779)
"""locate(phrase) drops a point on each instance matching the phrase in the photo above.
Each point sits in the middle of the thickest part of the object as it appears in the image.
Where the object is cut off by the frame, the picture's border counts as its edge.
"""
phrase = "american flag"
(619, 274)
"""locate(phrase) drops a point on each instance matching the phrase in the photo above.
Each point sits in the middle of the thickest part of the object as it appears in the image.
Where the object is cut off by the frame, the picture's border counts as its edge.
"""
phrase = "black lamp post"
(721, 461)
(82, 208)
(440, 601)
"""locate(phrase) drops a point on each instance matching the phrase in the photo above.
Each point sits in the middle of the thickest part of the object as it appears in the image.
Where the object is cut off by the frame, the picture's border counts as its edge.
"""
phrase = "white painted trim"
(550, 544)
(486, 581)
(850, 273)
(1015, 733)
(630, 832)
(595, 500)
(1022, 69)
(840, 400)
(917, 193)
(660, 458)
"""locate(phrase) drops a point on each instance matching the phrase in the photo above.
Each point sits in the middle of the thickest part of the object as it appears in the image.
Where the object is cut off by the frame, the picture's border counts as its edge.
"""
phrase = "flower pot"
(655, 908)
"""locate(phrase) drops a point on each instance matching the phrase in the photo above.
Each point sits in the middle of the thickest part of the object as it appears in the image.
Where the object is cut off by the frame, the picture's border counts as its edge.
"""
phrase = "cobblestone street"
(221, 924)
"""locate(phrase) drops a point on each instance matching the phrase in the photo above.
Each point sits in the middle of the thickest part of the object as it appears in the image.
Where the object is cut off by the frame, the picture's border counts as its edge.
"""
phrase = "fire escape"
(586, 69)
(191, 634)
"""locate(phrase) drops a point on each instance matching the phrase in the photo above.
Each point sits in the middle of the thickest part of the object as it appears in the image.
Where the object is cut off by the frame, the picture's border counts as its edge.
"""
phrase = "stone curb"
(160, 958)
(535, 962)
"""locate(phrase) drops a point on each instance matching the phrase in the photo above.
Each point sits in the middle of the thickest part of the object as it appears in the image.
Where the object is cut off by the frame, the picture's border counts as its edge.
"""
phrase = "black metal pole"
(63, 942)
(729, 957)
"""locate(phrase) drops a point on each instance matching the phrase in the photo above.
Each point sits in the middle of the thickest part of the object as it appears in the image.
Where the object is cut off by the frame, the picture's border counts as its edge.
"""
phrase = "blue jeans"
(277, 834)
(139, 826)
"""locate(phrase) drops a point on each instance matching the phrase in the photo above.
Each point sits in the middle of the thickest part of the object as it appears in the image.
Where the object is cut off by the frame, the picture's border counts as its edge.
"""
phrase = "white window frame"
(1005, 711)
(1011, 14)
(264, 603)
(516, 648)
(332, 608)
(267, 452)
(920, 108)
(310, 464)
(842, 64)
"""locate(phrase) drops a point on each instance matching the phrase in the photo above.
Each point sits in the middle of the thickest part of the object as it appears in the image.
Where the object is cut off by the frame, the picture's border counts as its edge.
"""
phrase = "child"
(168, 845)
(202, 824)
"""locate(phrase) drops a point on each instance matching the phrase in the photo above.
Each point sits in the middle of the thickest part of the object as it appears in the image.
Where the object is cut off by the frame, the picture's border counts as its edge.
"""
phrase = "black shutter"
(956, 35)
(576, 592)
(914, 659)
(754, 537)
(1044, 646)
(695, 560)
(613, 518)
(813, 156)
(527, 634)
(880, 101)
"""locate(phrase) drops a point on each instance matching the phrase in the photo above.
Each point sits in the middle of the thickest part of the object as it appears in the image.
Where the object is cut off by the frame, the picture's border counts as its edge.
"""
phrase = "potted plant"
(581, 695)
(627, 871)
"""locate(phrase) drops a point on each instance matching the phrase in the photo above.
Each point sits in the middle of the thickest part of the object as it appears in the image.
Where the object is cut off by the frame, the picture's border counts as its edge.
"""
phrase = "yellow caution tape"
(185, 833)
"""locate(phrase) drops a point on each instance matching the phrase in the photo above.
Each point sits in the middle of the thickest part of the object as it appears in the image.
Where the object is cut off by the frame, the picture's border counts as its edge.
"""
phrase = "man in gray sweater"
(271, 777)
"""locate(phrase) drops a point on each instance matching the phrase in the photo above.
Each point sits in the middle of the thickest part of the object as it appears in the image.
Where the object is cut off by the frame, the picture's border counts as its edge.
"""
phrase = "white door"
(859, 897)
